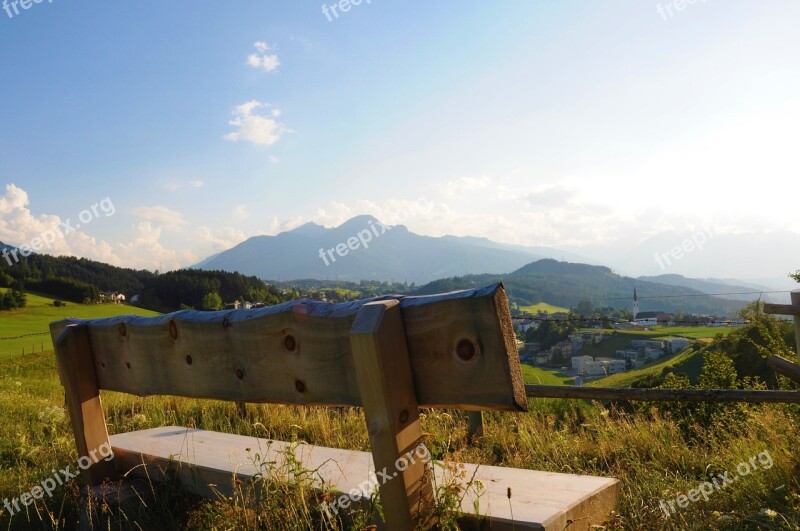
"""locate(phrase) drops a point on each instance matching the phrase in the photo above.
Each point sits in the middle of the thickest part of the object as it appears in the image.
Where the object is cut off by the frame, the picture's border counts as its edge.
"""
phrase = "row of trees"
(205, 290)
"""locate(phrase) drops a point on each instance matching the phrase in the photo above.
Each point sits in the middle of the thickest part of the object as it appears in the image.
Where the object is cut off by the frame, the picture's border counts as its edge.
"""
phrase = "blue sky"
(558, 123)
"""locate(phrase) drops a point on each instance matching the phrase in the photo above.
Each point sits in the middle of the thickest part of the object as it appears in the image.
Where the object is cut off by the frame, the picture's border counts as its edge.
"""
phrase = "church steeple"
(635, 303)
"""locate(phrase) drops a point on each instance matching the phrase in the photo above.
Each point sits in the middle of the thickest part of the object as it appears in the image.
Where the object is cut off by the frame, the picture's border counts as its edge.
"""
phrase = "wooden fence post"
(792, 309)
(796, 303)
(383, 371)
(475, 424)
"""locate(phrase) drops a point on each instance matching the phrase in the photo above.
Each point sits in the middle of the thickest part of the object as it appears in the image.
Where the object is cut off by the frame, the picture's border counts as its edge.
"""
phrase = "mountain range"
(369, 250)
(396, 254)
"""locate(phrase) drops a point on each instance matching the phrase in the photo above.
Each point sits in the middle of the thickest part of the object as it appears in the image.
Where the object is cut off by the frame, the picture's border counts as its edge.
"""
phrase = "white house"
(579, 363)
(676, 344)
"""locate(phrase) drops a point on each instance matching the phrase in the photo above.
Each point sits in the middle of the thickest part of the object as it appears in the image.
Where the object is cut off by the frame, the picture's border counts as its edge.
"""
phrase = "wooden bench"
(389, 355)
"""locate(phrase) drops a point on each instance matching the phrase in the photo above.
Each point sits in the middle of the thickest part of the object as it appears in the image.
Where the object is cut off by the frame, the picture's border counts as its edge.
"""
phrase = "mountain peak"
(359, 221)
(310, 229)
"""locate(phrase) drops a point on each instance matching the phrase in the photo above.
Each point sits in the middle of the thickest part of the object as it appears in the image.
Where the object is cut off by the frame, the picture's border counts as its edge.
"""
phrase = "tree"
(211, 301)
(585, 309)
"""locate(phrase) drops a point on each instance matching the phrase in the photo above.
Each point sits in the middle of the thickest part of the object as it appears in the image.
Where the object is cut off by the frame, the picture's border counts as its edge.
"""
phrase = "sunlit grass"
(646, 450)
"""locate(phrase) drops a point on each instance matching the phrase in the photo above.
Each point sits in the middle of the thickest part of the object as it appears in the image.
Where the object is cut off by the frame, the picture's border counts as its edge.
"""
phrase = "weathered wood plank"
(785, 367)
(539, 500)
(461, 348)
(82, 397)
(781, 309)
(390, 408)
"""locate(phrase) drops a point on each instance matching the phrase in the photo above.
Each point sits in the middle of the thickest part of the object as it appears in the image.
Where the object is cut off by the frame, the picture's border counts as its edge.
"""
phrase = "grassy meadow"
(34, 320)
(542, 376)
(658, 454)
(542, 307)
(655, 456)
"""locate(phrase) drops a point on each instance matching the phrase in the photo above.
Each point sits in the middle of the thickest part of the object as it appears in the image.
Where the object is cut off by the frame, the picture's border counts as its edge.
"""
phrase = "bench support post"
(79, 378)
(386, 384)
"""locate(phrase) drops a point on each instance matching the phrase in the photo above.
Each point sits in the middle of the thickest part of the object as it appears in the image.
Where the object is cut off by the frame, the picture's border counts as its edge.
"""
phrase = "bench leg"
(79, 378)
(383, 370)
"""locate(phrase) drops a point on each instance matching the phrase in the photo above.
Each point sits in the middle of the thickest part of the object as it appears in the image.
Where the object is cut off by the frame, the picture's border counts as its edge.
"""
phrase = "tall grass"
(654, 454)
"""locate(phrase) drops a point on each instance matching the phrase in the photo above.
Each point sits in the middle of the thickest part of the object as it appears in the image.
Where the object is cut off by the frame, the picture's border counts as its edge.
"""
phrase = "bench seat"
(540, 500)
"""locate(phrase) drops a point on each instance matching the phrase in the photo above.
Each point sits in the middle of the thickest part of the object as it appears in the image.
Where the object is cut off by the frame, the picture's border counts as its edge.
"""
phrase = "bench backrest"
(390, 355)
(461, 348)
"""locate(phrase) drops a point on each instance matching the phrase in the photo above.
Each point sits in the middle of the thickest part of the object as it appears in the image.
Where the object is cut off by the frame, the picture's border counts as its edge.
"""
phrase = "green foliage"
(646, 450)
(584, 309)
(548, 333)
(750, 346)
(211, 301)
(190, 287)
(104, 277)
(66, 288)
(13, 299)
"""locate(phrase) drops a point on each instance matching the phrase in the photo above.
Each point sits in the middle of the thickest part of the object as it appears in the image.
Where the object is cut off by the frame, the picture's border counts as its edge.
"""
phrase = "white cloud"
(263, 60)
(255, 128)
(240, 213)
(196, 184)
(147, 251)
(465, 185)
(291, 223)
(161, 215)
(222, 239)
(19, 226)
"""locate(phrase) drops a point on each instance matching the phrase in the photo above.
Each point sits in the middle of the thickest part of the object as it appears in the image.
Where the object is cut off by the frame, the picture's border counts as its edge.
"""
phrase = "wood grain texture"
(82, 397)
(785, 367)
(384, 378)
(461, 349)
(781, 309)
(539, 500)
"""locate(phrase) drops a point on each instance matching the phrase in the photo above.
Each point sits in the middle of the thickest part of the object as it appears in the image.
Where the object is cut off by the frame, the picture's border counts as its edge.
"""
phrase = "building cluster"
(116, 298)
(639, 352)
(588, 366)
(532, 352)
(642, 351)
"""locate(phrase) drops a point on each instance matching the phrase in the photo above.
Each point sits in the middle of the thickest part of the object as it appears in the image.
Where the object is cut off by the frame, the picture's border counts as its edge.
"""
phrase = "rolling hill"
(565, 284)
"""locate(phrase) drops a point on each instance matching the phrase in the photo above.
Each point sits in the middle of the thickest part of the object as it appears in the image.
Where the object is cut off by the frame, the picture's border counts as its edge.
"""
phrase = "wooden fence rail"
(662, 395)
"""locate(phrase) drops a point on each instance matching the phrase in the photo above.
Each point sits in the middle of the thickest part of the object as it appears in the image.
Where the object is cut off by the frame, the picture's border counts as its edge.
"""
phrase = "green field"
(36, 317)
(540, 376)
(690, 361)
(690, 332)
(542, 307)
